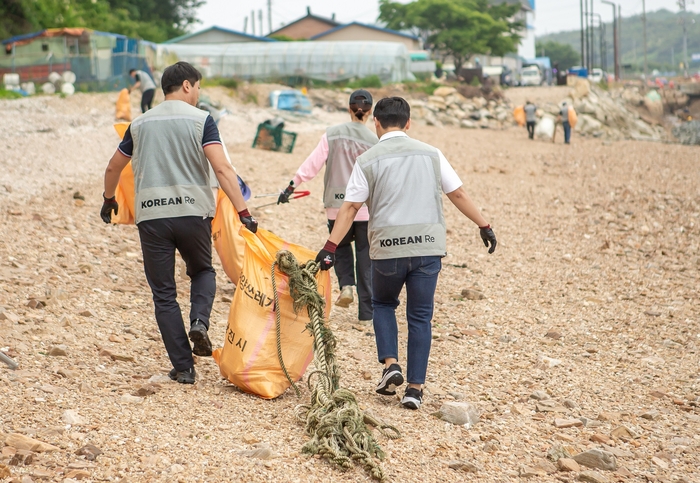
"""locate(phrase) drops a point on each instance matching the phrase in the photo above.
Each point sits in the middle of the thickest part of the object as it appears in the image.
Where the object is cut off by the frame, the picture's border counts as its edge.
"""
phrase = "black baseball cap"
(362, 99)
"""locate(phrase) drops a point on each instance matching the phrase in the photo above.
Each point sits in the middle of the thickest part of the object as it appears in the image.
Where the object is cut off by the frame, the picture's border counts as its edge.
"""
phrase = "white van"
(530, 76)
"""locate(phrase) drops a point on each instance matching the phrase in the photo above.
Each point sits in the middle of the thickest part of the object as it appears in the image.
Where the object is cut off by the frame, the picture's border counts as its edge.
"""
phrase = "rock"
(596, 458)
(660, 463)
(20, 441)
(550, 406)
(250, 438)
(570, 404)
(557, 452)
(467, 124)
(462, 465)
(624, 432)
(592, 477)
(5, 472)
(78, 474)
(444, 91)
(568, 464)
(58, 351)
(129, 399)
(71, 417)
(159, 379)
(546, 466)
(90, 451)
(147, 390)
(459, 413)
(262, 452)
(608, 416)
(547, 362)
(529, 472)
(539, 395)
(553, 334)
(472, 294)
(601, 438)
(42, 473)
(87, 313)
(618, 452)
(651, 415)
(567, 423)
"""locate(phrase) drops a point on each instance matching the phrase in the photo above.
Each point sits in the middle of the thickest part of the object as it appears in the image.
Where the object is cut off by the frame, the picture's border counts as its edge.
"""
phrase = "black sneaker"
(413, 398)
(183, 377)
(391, 379)
(200, 338)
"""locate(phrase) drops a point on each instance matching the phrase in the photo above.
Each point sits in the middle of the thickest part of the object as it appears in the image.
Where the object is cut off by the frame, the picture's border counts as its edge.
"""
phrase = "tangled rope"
(336, 424)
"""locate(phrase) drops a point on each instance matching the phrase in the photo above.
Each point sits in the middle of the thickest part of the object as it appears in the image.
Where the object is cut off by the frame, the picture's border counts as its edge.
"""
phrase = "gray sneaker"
(345, 298)
(183, 377)
(199, 335)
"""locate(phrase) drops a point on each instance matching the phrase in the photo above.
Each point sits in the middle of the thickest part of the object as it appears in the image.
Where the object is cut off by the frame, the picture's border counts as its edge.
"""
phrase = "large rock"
(688, 132)
(20, 441)
(581, 88)
(459, 413)
(596, 458)
(444, 91)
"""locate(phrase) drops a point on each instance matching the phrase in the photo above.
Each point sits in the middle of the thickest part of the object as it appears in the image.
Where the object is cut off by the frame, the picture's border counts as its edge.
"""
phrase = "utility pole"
(616, 66)
(252, 21)
(260, 20)
(587, 63)
(592, 38)
(583, 51)
(269, 16)
(618, 41)
(644, 22)
(682, 5)
(245, 25)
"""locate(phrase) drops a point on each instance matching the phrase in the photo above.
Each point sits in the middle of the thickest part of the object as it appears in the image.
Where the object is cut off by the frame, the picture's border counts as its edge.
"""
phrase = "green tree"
(564, 54)
(457, 28)
(155, 20)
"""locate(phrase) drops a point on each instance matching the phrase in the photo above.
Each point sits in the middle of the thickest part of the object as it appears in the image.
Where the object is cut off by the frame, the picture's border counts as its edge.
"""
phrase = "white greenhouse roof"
(325, 61)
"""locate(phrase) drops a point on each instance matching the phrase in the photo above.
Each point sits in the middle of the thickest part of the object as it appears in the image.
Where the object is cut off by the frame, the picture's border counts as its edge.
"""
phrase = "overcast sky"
(551, 15)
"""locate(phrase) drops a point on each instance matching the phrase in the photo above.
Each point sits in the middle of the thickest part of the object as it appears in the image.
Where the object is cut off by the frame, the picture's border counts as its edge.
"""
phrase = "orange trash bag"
(573, 118)
(249, 356)
(519, 115)
(125, 189)
(229, 244)
(124, 105)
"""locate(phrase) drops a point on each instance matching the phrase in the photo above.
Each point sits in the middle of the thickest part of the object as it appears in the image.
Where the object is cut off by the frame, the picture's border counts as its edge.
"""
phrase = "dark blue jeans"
(419, 275)
(567, 131)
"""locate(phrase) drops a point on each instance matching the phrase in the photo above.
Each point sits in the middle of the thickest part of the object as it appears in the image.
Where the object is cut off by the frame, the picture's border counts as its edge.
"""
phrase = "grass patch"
(372, 81)
(425, 87)
(4, 94)
(229, 82)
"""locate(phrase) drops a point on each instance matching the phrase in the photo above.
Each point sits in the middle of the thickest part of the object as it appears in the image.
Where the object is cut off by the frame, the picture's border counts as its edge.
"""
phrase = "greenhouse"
(322, 61)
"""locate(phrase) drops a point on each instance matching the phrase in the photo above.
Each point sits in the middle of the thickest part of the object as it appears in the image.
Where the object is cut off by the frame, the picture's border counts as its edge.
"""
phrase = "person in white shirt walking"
(337, 150)
(402, 180)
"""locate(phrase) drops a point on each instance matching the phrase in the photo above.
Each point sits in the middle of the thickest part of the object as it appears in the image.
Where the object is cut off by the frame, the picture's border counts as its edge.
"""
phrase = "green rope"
(337, 426)
(278, 332)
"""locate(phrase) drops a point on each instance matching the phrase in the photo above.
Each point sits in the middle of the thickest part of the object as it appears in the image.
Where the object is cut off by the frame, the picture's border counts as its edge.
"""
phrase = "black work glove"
(284, 195)
(488, 236)
(109, 205)
(326, 257)
(248, 220)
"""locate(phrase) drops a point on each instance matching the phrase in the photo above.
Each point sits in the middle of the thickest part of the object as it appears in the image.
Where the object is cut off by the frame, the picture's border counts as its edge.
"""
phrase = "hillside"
(664, 40)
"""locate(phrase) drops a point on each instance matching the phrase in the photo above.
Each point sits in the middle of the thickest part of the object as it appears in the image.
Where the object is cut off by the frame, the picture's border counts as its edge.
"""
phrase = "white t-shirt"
(357, 190)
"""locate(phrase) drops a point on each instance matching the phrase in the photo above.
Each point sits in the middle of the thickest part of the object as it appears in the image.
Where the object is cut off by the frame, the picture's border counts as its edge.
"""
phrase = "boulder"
(444, 91)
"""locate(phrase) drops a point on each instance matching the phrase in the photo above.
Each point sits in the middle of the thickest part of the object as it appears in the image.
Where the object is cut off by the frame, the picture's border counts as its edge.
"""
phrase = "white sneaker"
(345, 298)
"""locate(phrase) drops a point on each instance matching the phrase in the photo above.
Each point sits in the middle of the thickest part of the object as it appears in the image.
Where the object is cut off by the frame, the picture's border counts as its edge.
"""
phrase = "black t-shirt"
(211, 136)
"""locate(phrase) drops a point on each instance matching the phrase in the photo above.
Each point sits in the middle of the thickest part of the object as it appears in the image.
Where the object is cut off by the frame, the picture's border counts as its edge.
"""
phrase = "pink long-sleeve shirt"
(312, 166)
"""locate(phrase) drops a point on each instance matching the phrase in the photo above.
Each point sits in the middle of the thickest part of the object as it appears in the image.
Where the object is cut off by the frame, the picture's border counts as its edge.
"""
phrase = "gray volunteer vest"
(171, 172)
(565, 113)
(405, 199)
(146, 81)
(345, 143)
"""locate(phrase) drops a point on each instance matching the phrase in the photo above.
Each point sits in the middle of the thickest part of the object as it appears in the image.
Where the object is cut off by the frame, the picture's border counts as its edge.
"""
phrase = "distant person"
(530, 118)
(564, 118)
(145, 83)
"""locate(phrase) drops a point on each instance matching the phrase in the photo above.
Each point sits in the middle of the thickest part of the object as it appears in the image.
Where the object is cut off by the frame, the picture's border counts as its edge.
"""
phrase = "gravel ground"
(586, 312)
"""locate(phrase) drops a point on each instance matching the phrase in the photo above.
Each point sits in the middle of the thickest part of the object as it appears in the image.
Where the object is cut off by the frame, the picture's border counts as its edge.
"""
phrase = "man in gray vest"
(564, 118)
(168, 148)
(530, 118)
(338, 149)
(402, 180)
(145, 83)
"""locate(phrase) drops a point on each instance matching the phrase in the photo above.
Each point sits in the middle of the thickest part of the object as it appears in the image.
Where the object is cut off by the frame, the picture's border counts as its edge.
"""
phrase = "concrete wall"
(358, 32)
(304, 29)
